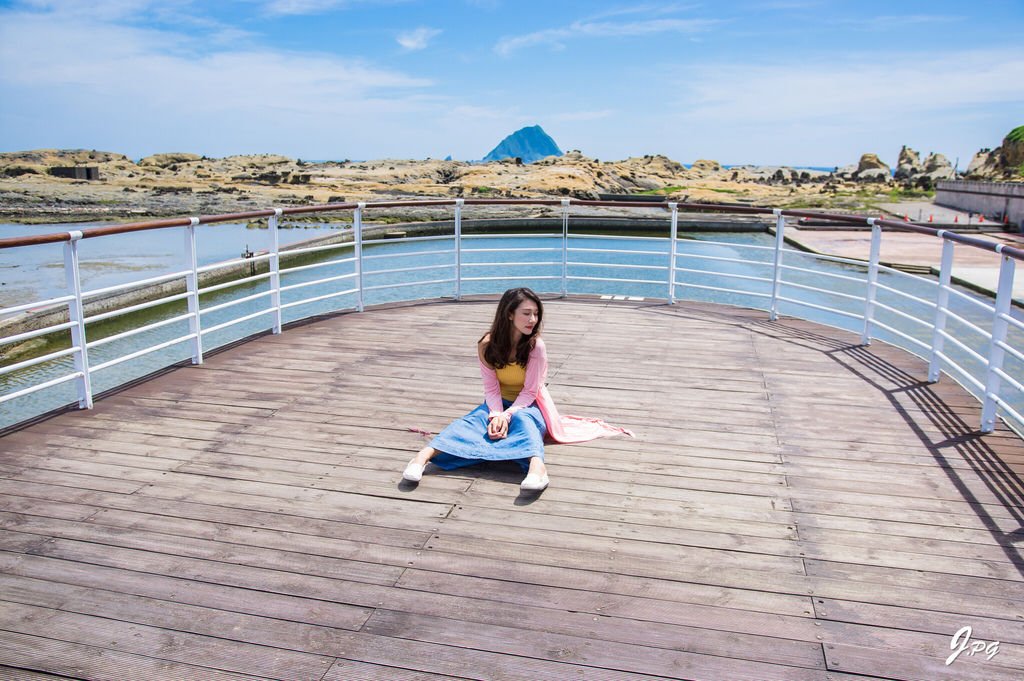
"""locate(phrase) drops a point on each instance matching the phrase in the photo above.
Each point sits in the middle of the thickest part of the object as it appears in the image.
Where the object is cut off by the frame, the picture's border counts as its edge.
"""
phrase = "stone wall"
(997, 201)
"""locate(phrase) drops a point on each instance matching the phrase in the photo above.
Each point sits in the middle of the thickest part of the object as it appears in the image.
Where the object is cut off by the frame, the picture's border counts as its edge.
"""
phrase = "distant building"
(76, 172)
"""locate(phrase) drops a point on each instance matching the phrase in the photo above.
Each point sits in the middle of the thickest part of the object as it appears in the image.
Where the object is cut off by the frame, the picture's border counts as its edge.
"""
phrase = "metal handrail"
(859, 220)
(992, 359)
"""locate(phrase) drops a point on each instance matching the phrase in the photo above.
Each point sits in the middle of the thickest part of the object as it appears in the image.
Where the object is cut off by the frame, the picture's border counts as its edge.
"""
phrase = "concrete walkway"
(937, 216)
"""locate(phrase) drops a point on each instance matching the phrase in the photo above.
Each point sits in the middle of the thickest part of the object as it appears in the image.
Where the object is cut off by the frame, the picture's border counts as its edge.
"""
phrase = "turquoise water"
(37, 272)
(492, 264)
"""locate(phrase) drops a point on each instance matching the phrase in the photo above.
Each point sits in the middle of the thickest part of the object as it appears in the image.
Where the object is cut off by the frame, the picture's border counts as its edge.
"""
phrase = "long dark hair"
(499, 347)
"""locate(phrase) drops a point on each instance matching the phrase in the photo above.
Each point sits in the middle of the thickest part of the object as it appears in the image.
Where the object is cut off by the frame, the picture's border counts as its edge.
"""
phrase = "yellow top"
(511, 377)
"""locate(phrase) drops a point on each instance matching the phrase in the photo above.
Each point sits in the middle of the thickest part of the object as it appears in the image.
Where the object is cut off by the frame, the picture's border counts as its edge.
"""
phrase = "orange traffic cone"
(956, 218)
(981, 218)
(930, 218)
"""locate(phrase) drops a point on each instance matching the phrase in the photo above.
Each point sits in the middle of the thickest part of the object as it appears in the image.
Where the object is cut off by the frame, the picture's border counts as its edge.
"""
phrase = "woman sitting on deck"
(517, 412)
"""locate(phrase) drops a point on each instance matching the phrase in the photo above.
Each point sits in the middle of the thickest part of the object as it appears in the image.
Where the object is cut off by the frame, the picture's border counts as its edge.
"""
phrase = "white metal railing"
(781, 280)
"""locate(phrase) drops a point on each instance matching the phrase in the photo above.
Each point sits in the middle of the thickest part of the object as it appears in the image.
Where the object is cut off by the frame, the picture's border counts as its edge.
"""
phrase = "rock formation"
(180, 184)
(1005, 162)
(167, 160)
(908, 165)
(872, 169)
(913, 173)
(528, 144)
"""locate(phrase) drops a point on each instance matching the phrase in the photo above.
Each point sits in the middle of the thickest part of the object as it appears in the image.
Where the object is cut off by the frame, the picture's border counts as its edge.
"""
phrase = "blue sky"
(795, 82)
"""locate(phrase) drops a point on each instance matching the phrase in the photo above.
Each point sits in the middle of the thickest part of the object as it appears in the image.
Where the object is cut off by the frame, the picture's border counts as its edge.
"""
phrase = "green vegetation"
(1017, 134)
(824, 201)
(665, 190)
(901, 193)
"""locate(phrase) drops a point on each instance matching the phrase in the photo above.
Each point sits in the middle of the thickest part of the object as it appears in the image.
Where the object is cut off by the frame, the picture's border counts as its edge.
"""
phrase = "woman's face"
(525, 317)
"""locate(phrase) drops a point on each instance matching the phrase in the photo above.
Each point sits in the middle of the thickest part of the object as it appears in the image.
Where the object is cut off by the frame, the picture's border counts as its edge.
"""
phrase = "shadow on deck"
(794, 506)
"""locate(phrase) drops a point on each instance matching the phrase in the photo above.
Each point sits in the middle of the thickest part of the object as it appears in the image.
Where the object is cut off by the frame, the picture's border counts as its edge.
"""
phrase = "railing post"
(780, 237)
(565, 247)
(76, 314)
(357, 227)
(1004, 295)
(673, 234)
(941, 305)
(275, 269)
(192, 284)
(458, 248)
(869, 298)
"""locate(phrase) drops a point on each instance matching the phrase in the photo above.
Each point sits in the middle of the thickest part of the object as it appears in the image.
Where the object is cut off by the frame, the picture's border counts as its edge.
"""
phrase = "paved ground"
(972, 266)
(926, 211)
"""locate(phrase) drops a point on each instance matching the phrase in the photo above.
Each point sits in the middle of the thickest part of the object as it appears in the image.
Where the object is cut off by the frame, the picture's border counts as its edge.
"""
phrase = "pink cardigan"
(564, 429)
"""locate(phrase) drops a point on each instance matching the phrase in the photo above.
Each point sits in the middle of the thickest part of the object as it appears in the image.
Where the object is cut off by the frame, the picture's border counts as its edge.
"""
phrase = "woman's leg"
(536, 478)
(424, 455)
(414, 470)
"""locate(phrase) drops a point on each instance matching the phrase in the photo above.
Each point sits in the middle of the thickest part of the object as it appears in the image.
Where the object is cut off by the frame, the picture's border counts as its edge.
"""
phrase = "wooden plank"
(459, 661)
(602, 604)
(77, 661)
(813, 510)
(926, 580)
(160, 643)
(614, 657)
(173, 588)
(633, 525)
(836, 613)
(909, 666)
(13, 674)
(270, 630)
(345, 670)
(787, 490)
(360, 566)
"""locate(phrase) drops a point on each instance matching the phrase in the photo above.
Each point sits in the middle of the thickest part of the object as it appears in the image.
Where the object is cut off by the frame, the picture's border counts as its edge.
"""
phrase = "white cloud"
(102, 85)
(897, 22)
(417, 39)
(785, 5)
(837, 108)
(98, 10)
(300, 7)
(646, 10)
(557, 37)
(853, 85)
(303, 6)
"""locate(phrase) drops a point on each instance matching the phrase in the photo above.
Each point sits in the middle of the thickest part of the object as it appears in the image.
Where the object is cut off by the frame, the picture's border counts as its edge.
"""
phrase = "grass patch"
(665, 190)
(899, 194)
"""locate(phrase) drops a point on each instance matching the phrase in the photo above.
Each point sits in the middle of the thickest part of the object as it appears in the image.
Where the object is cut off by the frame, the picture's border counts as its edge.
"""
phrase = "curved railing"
(920, 314)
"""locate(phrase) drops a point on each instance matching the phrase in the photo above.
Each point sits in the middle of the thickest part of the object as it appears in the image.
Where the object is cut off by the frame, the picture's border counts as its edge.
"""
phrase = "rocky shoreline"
(174, 185)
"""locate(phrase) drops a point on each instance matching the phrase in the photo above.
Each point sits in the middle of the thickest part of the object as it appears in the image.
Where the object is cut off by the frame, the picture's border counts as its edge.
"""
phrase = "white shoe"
(413, 472)
(534, 482)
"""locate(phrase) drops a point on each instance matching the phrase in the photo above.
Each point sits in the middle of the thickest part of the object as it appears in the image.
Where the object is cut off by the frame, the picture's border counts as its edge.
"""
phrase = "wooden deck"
(794, 507)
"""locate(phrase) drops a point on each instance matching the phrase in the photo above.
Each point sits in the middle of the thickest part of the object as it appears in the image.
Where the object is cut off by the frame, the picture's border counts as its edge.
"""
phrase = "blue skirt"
(464, 442)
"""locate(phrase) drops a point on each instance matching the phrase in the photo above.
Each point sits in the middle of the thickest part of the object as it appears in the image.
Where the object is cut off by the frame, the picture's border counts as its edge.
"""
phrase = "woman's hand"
(497, 427)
